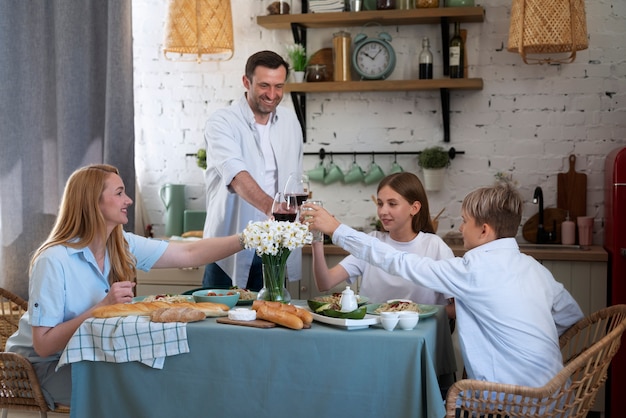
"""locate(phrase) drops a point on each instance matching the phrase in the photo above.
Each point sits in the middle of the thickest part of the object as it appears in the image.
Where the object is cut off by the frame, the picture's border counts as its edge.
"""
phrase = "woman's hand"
(120, 292)
(319, 218)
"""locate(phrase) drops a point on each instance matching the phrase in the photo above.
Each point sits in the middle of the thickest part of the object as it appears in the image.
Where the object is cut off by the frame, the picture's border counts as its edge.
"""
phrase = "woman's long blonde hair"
(80, 221)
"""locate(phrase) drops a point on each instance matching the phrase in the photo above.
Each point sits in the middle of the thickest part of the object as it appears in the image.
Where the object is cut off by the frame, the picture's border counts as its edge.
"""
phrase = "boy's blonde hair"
(499, 206)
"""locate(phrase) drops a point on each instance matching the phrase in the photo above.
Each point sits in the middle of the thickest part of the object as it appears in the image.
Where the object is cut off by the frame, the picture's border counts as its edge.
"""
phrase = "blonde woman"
(88, 261)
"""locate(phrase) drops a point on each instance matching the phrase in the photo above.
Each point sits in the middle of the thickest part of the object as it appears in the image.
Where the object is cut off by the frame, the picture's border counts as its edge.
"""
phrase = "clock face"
(373, 60)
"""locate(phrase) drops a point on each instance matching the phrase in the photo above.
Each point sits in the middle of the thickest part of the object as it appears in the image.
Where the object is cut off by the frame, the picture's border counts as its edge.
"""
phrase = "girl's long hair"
(80, 221)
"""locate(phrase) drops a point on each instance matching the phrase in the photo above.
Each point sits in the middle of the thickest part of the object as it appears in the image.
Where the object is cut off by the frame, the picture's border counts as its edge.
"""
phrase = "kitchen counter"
(541, 253)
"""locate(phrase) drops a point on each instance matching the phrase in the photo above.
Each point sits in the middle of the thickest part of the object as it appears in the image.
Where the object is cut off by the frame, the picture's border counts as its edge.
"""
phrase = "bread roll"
(177, 315)
(192, 234)
(146, 308)
(279, 317)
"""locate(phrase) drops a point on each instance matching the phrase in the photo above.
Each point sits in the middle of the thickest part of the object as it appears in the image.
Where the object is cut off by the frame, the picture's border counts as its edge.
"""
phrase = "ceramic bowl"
(389, 322)
(408, 320)
(225, 296)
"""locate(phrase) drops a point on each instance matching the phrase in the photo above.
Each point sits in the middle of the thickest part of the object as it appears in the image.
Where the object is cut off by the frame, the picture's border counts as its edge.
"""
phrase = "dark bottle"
(426, 61)
(385, 4)
(457, 53)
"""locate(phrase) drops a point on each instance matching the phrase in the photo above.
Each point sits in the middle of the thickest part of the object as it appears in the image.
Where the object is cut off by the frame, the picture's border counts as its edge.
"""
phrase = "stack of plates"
(322, 6)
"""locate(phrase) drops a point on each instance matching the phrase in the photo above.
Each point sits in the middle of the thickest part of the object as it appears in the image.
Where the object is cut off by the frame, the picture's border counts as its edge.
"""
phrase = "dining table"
(232, 371)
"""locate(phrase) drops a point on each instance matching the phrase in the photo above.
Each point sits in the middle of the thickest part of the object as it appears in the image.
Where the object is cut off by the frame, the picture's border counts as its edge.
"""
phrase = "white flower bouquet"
(273, 242)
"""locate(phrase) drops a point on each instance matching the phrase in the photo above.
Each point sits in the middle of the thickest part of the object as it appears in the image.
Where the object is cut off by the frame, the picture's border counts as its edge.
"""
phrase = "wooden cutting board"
(529, 230)
(255, 323)
(572, 191)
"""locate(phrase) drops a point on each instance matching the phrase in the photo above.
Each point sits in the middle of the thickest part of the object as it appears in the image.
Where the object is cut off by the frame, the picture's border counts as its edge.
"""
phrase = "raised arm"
(325, 278)
(198, 253)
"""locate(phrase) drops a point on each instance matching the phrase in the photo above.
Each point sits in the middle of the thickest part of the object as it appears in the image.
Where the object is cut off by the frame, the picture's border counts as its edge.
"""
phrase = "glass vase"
(274, 282)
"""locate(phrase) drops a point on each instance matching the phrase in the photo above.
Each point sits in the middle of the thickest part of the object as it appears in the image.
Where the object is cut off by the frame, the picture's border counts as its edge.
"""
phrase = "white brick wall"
(525, 122)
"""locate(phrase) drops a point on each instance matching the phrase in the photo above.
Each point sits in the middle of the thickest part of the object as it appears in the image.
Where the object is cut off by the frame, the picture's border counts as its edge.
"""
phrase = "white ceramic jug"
(348, 300)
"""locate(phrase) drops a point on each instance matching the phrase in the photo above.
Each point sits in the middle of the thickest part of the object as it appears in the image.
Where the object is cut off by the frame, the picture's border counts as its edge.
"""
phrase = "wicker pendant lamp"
(547, 27)
(203, 28)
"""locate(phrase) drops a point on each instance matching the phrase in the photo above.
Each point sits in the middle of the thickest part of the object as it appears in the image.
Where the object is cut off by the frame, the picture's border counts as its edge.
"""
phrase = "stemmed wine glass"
(298, 185)
(285, 207)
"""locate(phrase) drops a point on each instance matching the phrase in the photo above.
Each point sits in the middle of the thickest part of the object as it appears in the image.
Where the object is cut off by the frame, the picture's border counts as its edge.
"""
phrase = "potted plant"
(433, 161)
(298, 60)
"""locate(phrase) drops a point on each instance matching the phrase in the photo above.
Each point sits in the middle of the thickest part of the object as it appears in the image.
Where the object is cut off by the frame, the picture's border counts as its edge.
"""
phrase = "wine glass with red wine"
(298, 185)
(285, 207)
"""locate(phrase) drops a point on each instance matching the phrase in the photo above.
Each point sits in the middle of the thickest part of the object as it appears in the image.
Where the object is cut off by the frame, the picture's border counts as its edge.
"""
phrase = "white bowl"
(408, 320)
(389, 323)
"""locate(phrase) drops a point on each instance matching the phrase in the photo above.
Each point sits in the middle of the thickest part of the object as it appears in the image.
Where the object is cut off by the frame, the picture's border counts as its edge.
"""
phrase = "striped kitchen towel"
(123, 339)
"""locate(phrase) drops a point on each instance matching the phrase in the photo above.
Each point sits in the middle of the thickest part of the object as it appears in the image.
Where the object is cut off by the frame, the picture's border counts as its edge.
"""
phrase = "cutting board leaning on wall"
(572, 191)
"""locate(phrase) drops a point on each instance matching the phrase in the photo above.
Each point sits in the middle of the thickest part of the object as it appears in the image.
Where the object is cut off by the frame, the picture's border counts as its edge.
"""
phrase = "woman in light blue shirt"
(89, 261)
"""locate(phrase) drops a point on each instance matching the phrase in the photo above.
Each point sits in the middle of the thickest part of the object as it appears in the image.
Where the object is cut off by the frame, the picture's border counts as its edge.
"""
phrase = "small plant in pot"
(433, 161)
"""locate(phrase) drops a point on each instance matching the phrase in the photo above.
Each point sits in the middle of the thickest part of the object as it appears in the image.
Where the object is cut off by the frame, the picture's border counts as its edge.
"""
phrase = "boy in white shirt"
(510, 311)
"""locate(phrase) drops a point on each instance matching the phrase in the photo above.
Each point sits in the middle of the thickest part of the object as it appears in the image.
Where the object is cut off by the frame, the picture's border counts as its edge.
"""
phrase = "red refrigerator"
(615, 245)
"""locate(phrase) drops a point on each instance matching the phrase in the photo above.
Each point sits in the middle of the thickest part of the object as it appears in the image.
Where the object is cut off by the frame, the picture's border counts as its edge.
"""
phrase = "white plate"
(348, 324)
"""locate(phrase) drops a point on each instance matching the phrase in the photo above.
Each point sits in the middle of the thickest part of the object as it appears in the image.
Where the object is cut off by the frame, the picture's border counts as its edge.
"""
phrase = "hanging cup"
(374, 174)
(396, 168)
(318, 173)
(354, 175)
(333, 173)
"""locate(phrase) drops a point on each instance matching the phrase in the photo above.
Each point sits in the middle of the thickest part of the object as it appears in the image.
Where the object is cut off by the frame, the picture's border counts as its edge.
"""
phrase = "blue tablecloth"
(235, 371)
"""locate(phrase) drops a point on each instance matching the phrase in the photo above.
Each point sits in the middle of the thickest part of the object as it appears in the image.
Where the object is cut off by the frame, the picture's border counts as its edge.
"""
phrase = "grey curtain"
(66, 100)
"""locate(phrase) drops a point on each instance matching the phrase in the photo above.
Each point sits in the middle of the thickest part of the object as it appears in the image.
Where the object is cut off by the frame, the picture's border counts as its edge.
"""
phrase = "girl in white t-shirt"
(405, 217)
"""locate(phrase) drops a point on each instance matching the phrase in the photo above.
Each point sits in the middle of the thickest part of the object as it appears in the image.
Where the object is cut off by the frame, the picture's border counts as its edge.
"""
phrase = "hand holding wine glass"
(285, 207)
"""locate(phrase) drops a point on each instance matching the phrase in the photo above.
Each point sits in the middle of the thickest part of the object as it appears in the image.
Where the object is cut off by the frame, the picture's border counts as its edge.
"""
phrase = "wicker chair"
(588, 348)
(12, 307)
(19, 386)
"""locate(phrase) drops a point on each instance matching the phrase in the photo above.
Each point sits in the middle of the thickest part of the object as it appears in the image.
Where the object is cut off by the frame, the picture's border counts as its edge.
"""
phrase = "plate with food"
(164, 298)
(335, 298)
(424, 311)
(347, 322)
(246, 297)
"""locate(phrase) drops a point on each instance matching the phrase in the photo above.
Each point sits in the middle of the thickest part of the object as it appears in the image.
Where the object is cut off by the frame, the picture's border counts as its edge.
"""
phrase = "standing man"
(252, 147)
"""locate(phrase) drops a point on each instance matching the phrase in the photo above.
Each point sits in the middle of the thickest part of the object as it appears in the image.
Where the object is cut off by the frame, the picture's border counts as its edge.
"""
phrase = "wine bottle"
(457, 53)
(425, 61)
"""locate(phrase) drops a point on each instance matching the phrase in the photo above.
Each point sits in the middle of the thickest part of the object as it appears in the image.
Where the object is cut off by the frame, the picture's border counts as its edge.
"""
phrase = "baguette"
(146, 308)
(192, 234)
(279, 317)
(177, 315)
(303, 314)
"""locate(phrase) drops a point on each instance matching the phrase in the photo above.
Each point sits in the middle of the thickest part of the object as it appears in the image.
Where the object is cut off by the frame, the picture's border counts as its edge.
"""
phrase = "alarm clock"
(373, 58)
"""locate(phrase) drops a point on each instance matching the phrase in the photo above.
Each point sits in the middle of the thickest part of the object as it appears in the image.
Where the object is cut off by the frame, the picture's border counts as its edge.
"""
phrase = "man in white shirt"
(252, 148)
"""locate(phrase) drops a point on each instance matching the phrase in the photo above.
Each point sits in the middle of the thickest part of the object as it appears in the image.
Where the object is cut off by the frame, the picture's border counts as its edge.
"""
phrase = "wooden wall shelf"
(385, 85)
(443, 16)
(433, 15)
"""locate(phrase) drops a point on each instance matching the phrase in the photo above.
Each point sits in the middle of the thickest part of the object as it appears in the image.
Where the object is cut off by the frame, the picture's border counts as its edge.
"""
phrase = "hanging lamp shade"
(202, 28)
(547, 27)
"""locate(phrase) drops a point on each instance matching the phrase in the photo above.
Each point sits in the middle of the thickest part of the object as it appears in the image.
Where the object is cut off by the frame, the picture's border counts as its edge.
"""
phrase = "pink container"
(585, 230)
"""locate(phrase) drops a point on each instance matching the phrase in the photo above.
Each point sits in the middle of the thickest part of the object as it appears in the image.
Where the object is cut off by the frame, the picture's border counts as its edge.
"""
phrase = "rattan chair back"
(19, 385)
(588, 348)
(12, 307)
